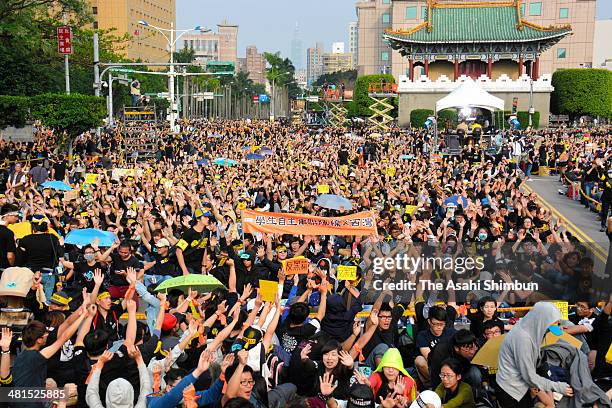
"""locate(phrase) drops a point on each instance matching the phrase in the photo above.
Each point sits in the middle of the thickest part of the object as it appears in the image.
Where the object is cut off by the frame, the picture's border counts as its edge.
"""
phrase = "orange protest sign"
(296, 266)
(362, 223)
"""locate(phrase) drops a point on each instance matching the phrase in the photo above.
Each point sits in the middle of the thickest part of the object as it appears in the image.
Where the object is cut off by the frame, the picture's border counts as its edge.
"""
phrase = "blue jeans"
(378, 351)
(528, 170)
(155, 279)
(48, 282)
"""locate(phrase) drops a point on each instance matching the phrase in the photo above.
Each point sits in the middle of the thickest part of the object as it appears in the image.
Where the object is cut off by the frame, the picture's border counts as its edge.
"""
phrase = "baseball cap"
(162, 243)
(199, 213)
(360, 396)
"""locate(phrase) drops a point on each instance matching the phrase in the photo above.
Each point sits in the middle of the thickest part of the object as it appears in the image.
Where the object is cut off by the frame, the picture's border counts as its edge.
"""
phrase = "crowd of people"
(102, 333)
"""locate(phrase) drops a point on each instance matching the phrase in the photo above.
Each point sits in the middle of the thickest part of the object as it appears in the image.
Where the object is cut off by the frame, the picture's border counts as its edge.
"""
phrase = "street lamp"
(171, 44)
(273, 110)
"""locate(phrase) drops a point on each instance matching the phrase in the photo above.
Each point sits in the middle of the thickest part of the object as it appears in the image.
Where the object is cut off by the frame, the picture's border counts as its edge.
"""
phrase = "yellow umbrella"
(21, 229)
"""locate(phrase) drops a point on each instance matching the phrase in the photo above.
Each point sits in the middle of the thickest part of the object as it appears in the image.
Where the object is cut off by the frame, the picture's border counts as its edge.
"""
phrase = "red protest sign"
(296, 266)
(64, 40)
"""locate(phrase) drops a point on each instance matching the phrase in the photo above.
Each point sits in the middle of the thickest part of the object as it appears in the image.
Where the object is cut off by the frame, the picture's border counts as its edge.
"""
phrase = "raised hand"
(131, 276)
(346, 359)
(98, 277)
(327, 384)
(374, 317)
(131, 306)
(356, 327)
(222, 307)
(361, 378)
(105, 357)
(305, 351)
(7, 337)
(243, 356)
(134, 353)
(228, 360)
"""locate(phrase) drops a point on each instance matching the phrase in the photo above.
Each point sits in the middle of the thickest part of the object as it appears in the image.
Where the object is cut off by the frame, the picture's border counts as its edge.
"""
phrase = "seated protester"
(119, 264)
(81, 273)
(334, 361)
(384, 334)
(60, 367)
(6, 379)
(462, 347)
(107, 316)
(295, 327)
(173, 393)
(584, 318)
(427, 339)
(339, 319)
(491, 329)
(423, 309)
(120, 392)
(487, 310)
(390, 372)
(453, 392)
(165, 266)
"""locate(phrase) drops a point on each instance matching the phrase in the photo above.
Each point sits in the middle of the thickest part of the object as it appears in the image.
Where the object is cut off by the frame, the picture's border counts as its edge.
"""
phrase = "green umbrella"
(195, 281)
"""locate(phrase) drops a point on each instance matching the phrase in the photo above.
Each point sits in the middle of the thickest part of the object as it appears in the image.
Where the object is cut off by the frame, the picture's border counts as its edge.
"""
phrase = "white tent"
(469, 94)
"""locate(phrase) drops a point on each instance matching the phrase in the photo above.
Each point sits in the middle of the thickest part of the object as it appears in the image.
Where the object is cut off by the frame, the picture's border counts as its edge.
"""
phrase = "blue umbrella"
(57, 185)
(334, 202)
(407, 156)
(222, 161)
(202, 162)
(265, 151)
(457, 200)
(254, 156)
(246, 148)
(86, 236)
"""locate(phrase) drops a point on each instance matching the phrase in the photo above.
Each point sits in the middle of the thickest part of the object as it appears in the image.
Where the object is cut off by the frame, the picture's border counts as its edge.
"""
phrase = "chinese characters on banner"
(297, 265)
(362, 223)
(64, 40)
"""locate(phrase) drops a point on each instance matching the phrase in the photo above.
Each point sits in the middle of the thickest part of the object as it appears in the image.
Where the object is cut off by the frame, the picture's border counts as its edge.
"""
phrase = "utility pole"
(96, 62)
(66, 63)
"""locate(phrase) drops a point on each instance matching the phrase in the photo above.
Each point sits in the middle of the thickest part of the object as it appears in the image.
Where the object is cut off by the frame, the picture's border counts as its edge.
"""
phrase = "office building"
(146, 43)
(337, 61)
(221, 45)
(353, 41)
(375, 16)
(296, 49)
(314, 63)
(602, 44)
(255, 65)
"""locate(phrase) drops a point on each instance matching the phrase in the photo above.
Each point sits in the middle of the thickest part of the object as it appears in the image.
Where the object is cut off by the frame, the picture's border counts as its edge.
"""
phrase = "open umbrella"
(195, 281)
(222, 161)
(21, 229)
(88, 235)
(334, 202)
(457, 200)
(254, 156)
(56, 185)
(202, 162)
(407, 156)
(266, 151)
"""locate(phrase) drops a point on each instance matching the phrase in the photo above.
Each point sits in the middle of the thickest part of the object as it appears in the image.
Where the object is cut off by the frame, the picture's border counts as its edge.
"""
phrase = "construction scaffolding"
(139, 133)
(382, 94)
(335, 111)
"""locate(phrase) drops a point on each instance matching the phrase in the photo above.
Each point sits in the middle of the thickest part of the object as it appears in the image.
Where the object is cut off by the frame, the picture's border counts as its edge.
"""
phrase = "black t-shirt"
(603, 332)
(110, 324)
(193, 244)
(60, 366)
(83, 274)
(7, 244)
(60, 170)
(290, 337)
(343, 156)
(167, 265)
(119, 264)
(426, 339)
(379, 337)
(40, 251)
(30, 371)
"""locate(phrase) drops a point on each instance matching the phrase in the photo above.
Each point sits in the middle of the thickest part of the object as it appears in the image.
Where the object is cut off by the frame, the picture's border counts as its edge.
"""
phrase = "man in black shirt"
(119, 264)
(190, 248)
(59, 169)
(166, 264)
(9, 214)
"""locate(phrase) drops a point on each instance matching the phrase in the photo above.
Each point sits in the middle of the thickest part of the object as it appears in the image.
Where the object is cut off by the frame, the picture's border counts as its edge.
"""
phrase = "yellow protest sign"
(410, 209)
(347, 272)
(268, 290)
(296, 266)
(323, 189)
(343, 169)
(91, 178)
(563, 308)
(390, 171)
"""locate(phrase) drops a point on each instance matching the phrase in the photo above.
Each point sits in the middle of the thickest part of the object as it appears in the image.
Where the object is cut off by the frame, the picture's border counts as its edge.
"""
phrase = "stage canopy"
(469, 94)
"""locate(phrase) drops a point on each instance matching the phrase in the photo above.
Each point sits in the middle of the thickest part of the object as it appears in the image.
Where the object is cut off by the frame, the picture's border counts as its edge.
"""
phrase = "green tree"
(13, 111)
(580, 92)
(361, 101)
(347, 78)
(282, 71)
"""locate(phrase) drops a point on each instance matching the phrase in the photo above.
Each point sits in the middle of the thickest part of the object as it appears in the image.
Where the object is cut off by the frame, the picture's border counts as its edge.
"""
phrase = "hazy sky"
(269, 24)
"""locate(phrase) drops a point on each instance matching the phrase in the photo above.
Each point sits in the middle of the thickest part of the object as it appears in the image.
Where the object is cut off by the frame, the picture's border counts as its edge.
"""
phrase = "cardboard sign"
(296, 266)
(563, 308)
(71, 195)
(268, 290)
(346, 272)
(91, 178)
(568, 338)
(410, 209)
(323, 189)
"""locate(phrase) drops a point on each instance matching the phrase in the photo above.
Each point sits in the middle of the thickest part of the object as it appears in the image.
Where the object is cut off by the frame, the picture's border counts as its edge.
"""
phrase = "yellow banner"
(268, 290)
(347, 272)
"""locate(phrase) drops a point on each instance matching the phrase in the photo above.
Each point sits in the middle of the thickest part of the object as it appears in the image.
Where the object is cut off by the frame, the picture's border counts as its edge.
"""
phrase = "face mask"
(89, 257)
(482, 236)
(137, 238)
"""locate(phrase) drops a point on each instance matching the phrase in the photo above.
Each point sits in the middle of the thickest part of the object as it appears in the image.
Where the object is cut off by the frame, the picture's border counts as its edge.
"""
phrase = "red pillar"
(536, 69)
(426, 67)
(520, 67)
(490, 68)
(411, 68)
(456, 69)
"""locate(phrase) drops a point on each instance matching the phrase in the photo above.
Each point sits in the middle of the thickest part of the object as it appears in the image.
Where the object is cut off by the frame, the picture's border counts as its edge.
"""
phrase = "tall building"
(146, 43)
(255, 65)
(214, 46)
(376, 16)
(300, 77)
(602, 46)
(353, 41)
(314, 63)
(296, 48)
(337, 61)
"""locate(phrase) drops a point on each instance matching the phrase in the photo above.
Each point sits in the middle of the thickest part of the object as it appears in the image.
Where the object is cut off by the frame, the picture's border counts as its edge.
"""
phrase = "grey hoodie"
(520, 351)
(119, 393)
